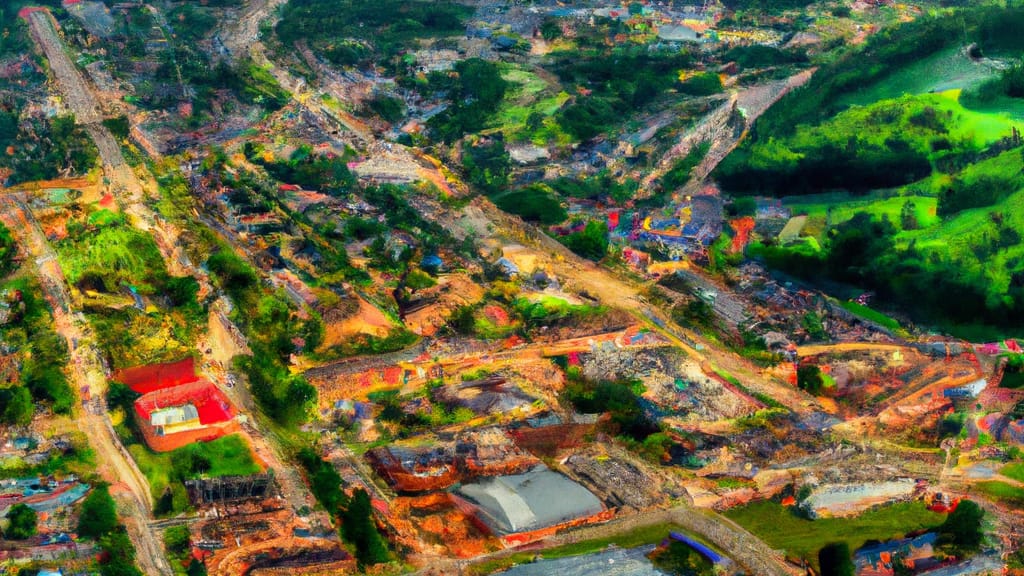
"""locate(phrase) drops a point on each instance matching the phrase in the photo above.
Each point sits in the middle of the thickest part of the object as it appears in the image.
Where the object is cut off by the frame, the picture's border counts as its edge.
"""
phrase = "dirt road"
(581, 275)
(839, 348)
(130, 192)
(76, 95)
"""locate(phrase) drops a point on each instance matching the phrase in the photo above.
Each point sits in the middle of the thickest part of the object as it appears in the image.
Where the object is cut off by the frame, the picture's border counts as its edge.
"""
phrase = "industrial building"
(531, 504)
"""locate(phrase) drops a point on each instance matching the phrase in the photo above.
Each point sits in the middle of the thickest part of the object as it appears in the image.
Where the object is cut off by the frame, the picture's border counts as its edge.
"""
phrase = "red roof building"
(172, 417)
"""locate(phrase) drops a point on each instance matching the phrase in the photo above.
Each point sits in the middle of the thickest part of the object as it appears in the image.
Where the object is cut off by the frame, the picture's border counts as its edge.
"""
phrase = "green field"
(529, 93)
(1004, 106)
(780, 528)
(227, 456)
(963, 124)
(1015, 471)
(946, 70)
(1002, 492)
(841, 206)
(975, 245)
(870, 314)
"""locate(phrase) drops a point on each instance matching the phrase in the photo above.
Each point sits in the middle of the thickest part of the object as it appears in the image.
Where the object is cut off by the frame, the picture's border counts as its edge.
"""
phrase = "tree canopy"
(835, 560)
(98, 515)
(22, 522)
(963, 526)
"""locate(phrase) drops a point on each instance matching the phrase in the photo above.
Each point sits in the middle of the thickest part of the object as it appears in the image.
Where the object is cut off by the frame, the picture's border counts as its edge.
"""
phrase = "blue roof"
(708, 553)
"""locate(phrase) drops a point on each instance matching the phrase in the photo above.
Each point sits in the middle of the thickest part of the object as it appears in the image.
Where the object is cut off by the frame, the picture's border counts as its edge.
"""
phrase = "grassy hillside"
(910, 192)
(887, 143)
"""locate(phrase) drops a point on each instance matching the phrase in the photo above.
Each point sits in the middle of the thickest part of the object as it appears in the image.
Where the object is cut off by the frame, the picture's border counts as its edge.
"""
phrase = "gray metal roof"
(530, 501)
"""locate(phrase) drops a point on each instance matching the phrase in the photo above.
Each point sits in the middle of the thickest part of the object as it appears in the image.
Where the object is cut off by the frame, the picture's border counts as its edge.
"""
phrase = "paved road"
(131, 192)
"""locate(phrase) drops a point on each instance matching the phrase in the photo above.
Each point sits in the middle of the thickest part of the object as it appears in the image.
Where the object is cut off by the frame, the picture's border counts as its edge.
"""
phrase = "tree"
(834, 560)
(358, 528)
(487, 164)
(908, 216)
(591, 242)
(535, 203)
(324, 481)
(550, 29)
(19, 407)
(679, 559)
(812, 324)
(196, 568)
(808, 379)
(697, 312)
(8, 249)
(742, 206)
(120, 554)
(176, 539)
(963, 526)
(701, 84)
(119, 127)
(165, 504)
(98, 515)
(22, 522)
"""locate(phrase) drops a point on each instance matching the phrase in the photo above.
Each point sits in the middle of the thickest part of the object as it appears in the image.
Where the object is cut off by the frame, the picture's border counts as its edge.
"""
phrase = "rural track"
(840, 347)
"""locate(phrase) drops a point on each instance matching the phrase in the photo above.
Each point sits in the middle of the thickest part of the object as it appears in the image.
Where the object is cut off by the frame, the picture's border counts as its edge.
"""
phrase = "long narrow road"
(114, 464)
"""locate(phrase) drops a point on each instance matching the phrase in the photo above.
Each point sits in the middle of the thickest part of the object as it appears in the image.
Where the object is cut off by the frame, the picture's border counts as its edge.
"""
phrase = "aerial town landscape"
(525, 287)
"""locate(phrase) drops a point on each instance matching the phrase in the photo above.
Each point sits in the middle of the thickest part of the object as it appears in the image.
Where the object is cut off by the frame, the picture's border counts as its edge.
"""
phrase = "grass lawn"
(1015, 471)
(846, 206)
(1002, 492)
(981, 127)
(228, 456)
(639, 537)
(780, 528)
(870, 314)
(939, 72)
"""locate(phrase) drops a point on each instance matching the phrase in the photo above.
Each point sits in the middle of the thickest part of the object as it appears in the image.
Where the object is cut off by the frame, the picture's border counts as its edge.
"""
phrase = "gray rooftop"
(530, 501)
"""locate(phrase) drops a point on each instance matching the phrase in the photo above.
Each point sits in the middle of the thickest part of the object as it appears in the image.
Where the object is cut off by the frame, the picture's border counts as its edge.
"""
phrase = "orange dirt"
(368, 320)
